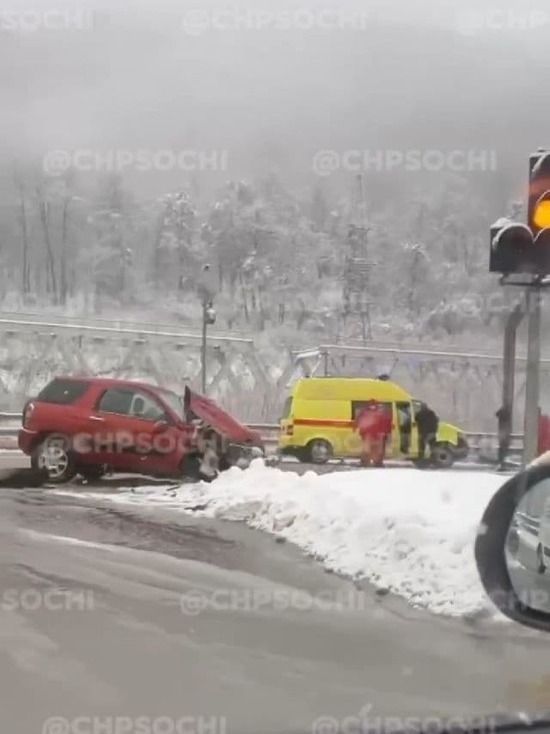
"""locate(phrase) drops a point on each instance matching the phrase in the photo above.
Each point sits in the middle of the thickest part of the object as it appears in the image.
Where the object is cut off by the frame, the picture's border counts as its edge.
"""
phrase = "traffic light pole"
(203, 347)
(509, 359)
(206, 289)
(531, 425)
(518, 252)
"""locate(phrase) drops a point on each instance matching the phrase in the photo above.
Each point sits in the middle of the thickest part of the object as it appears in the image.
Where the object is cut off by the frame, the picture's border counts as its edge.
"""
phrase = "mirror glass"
(528, 548)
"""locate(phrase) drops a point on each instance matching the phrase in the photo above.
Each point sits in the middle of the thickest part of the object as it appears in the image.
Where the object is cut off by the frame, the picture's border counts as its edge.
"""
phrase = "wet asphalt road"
(101, 628)
(12, 460)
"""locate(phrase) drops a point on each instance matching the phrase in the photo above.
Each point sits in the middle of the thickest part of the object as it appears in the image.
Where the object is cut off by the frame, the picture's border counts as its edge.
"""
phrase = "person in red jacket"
(373, 424)
(385, 428)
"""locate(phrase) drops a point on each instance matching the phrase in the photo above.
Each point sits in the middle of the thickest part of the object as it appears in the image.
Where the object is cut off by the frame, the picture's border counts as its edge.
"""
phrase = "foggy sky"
(414, 76)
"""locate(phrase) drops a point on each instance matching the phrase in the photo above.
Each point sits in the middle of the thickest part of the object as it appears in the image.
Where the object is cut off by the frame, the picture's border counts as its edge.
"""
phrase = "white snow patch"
(405, 530)
(47, 537)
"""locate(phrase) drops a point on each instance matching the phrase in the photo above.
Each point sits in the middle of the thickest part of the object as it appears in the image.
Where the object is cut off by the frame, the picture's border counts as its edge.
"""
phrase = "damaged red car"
(93, 426)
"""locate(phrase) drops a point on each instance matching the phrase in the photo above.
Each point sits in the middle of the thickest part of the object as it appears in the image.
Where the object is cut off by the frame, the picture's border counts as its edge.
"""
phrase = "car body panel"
(224, 423)
(128, 426)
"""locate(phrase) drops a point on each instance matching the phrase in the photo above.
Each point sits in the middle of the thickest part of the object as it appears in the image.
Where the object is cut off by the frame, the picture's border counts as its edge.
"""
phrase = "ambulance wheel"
(442, 456)
(421, 463)
(318, 451)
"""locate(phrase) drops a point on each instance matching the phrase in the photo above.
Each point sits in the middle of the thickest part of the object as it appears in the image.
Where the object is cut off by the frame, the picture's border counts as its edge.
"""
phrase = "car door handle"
(97, 418)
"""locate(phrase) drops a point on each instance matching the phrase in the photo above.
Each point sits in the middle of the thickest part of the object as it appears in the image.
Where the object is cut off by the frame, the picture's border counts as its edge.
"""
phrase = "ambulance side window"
(356, 407)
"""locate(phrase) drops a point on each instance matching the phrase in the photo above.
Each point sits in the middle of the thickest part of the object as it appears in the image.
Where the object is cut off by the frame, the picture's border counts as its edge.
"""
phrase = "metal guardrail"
(477, 440)
(186, 324)
(53, 326)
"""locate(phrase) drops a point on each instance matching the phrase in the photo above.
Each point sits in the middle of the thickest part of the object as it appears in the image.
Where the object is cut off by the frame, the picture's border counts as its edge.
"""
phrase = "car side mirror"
(512, 548)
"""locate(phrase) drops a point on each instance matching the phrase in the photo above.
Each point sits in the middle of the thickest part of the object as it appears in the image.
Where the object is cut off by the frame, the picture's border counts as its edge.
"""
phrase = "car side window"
(146, 407)
(116, 400)
(125, 401)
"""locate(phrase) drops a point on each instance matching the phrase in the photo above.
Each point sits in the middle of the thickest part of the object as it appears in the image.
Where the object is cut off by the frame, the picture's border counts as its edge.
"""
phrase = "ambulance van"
(318, 422)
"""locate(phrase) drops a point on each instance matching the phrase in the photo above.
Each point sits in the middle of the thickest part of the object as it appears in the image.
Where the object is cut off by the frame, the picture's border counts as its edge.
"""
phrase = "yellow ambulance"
(318, 422)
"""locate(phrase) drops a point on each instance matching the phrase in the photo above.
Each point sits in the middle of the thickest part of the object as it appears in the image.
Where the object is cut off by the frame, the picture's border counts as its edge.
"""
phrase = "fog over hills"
(256, 91)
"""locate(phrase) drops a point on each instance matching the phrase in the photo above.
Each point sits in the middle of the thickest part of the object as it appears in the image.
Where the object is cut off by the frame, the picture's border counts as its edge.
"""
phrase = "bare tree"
(25, 251)
(44, 213)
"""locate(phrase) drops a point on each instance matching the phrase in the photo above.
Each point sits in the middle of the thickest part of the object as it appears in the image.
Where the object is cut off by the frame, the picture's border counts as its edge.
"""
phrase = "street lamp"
(208, 317)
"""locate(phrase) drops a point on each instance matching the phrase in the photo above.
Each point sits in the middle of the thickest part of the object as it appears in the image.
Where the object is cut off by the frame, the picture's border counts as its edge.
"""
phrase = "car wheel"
(541, 568)
(319, 451)
(190, 469)
(54, 456)
(225, 464)
(442, 456)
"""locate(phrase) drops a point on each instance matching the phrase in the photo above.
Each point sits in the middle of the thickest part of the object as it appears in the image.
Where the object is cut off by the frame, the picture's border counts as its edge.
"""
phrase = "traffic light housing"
(525, 249)
(512, 248)
(209, 314)
(538, 210)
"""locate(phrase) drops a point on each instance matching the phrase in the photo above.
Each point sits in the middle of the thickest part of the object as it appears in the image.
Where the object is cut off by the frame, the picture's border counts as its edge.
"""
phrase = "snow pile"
(405, 530)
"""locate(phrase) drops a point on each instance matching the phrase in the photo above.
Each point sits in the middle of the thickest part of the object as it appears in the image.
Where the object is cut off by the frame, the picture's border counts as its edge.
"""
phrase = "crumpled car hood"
(210, 412)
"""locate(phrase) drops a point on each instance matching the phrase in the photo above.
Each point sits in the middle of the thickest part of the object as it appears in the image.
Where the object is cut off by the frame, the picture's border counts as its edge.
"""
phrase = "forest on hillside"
(293, 251)
(312, 266)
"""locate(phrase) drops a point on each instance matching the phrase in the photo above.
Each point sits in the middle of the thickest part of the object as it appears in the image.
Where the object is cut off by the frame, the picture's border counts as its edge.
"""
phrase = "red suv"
(89, 426)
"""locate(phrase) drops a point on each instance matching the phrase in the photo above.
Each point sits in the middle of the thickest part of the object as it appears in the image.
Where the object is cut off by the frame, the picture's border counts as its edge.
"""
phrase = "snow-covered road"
(407, 531)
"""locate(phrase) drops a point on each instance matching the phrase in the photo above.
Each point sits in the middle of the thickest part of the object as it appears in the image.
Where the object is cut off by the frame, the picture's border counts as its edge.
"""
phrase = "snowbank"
(408, 531)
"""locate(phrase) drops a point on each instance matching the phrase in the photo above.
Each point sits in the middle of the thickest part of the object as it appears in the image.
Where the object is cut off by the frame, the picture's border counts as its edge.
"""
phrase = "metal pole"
(203, 349)
(509, 359)
(531, 429)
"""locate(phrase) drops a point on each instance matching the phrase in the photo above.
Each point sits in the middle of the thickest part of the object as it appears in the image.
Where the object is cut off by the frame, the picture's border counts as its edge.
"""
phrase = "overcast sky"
(273, 83)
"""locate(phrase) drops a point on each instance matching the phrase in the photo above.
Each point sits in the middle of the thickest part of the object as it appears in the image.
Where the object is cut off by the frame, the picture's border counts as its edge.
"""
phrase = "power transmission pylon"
(357, 267)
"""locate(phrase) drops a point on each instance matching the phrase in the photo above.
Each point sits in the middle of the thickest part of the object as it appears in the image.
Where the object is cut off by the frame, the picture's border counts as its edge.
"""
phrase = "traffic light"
(512, 248)
(538, 212)
(209, 313)
(525, 249)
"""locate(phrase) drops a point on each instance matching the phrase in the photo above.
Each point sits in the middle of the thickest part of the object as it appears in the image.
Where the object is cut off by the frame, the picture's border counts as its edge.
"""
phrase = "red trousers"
(373, 449)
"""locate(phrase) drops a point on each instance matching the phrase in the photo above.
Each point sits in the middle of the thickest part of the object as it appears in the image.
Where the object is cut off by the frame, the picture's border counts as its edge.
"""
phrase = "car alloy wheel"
(54, 456)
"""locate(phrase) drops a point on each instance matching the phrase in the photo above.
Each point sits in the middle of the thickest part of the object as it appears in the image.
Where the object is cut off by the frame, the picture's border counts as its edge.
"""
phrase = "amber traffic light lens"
(541, 215)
